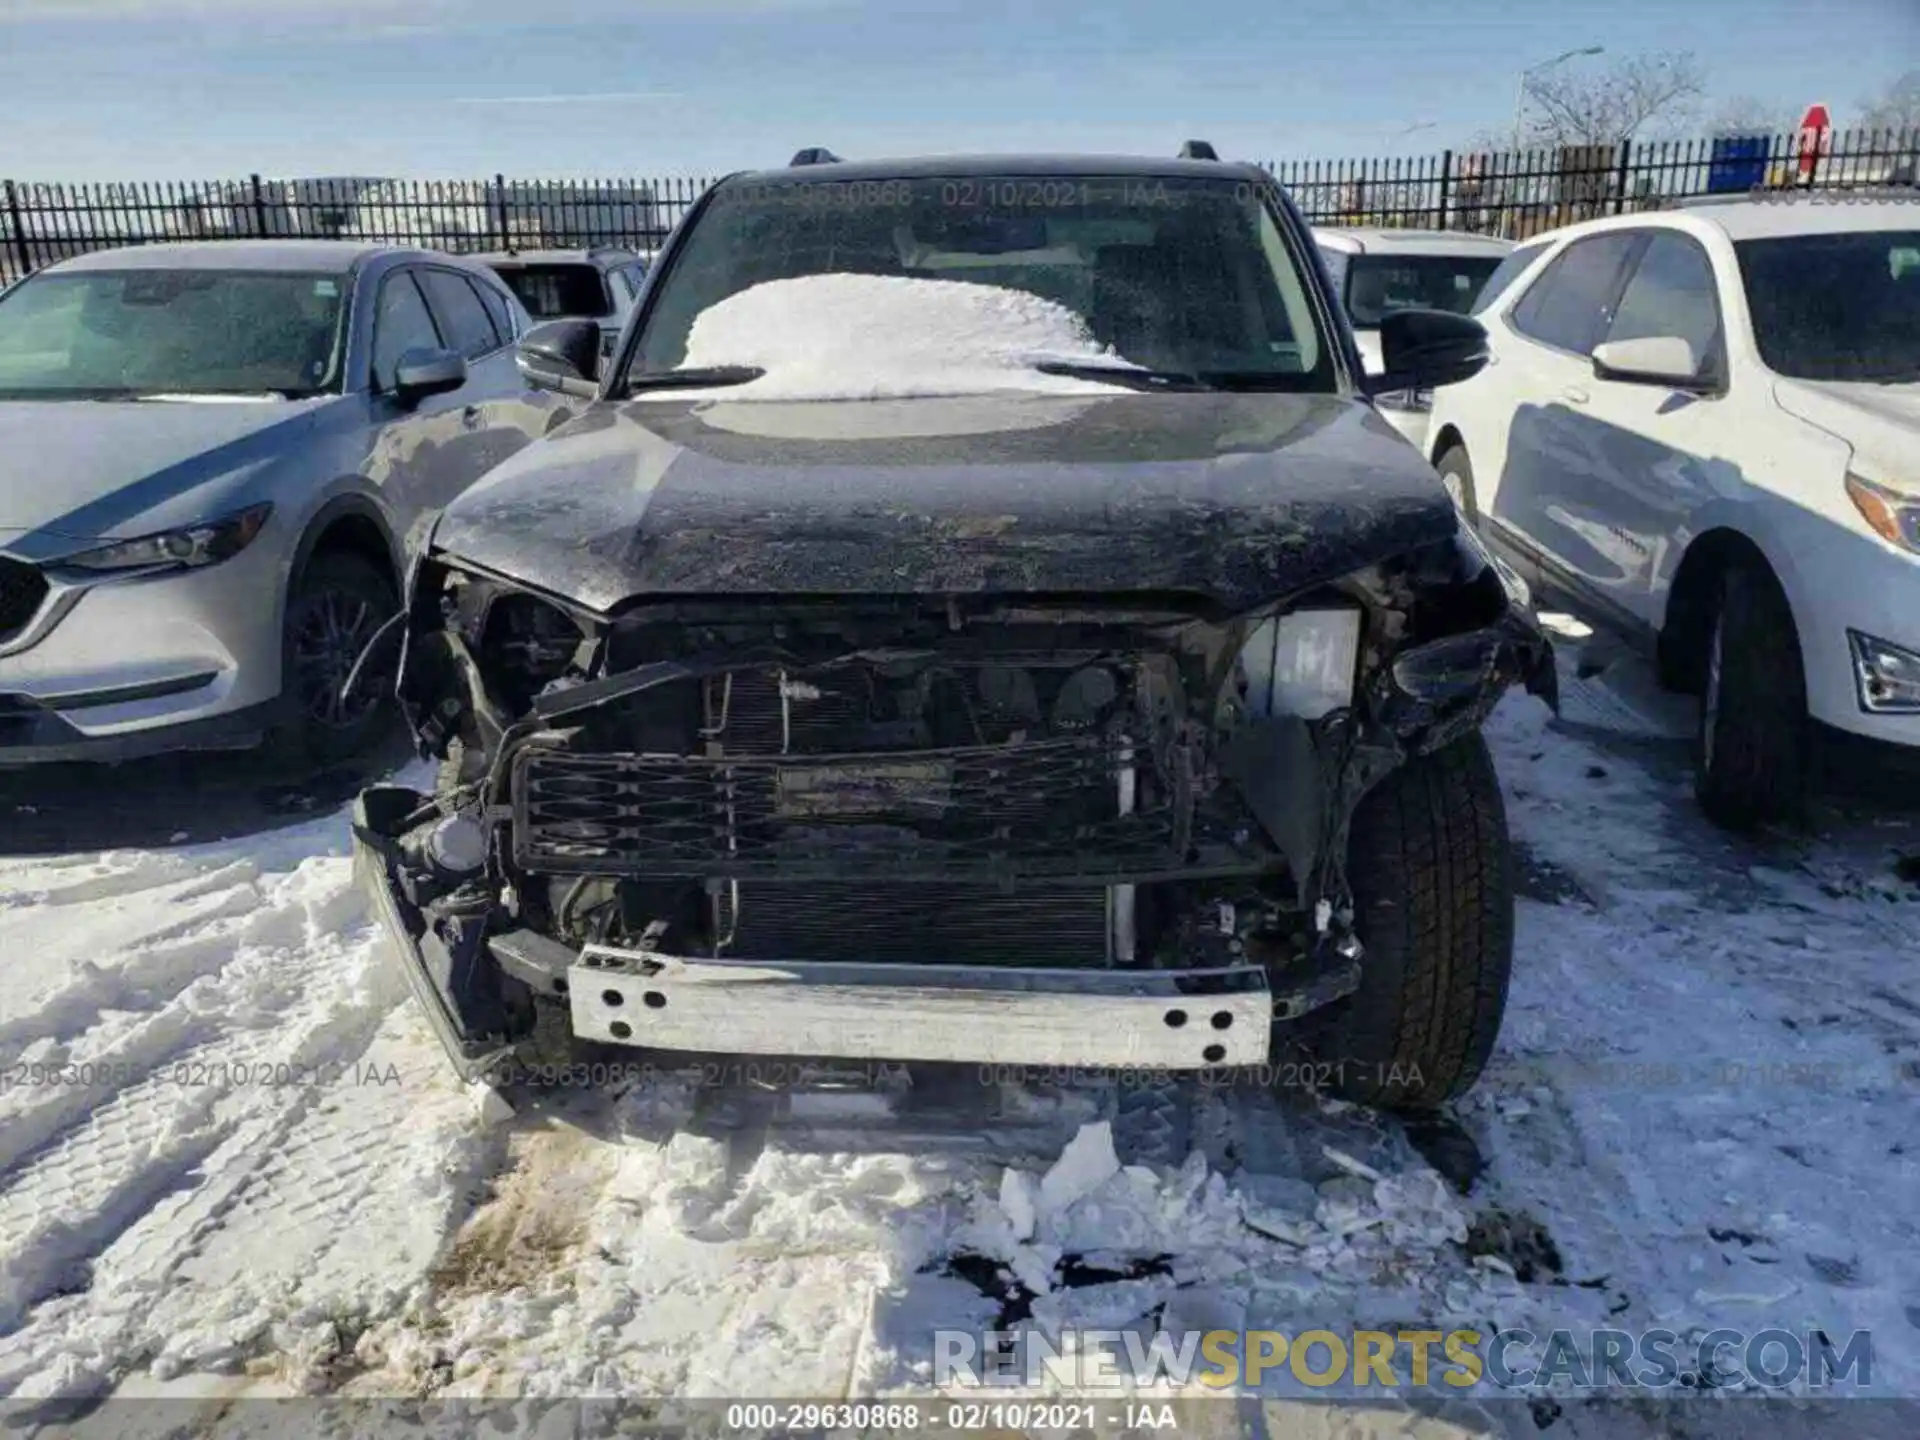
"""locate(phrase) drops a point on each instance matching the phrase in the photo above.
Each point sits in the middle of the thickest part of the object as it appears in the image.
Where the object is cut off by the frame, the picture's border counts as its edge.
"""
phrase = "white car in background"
(1704, 426)
(1376, 272)
(600, 283)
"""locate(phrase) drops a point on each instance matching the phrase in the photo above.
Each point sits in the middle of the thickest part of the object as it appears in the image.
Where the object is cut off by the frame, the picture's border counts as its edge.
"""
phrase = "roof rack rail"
(1198, 150)
(814, 155)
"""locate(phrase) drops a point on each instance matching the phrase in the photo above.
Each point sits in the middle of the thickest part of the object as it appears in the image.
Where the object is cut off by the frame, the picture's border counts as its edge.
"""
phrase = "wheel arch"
(1448, 437)
(353, 524)
(1688, 615)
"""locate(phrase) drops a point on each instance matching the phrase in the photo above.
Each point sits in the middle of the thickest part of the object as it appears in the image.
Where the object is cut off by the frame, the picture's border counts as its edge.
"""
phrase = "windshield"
(1836, 307)
(551, 292)
(1378, 285)
(171, 332)
(1181, 275)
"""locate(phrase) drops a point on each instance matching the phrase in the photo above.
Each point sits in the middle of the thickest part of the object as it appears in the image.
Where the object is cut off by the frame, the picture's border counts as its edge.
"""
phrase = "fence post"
(1620, 177)
(1446, 178)
(19, 230)
(259, 209)
(506, 227)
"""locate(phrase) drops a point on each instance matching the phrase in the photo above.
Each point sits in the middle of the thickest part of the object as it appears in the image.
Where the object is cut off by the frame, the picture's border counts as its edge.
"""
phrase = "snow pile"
(1207, 1251)
(873, 337)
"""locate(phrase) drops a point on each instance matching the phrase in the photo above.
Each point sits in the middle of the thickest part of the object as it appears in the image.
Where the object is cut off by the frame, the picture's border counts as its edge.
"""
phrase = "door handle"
(1574, 395)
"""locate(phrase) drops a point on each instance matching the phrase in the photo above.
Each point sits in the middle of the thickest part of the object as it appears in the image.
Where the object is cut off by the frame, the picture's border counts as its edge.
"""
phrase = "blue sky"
(155, 89)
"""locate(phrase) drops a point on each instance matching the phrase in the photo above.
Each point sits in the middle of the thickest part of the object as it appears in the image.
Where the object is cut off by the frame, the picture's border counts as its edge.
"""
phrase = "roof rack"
(814, 155)
(1198, 150)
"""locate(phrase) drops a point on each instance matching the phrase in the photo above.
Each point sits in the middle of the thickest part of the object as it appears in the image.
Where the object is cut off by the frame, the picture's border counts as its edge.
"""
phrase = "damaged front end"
(1061, 830)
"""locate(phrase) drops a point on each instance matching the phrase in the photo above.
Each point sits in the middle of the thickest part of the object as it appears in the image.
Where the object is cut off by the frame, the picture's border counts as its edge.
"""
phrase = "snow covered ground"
(232, 1161)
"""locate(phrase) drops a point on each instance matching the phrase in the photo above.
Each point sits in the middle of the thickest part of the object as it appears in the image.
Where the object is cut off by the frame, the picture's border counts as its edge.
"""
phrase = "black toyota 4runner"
(1118, 709)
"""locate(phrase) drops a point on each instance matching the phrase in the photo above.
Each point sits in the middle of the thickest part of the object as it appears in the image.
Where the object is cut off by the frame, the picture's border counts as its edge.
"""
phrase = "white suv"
(1376, 272)
(1704, 424)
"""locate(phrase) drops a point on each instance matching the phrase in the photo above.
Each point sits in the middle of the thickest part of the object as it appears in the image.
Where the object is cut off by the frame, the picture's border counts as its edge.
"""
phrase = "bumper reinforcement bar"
(1185, 1020)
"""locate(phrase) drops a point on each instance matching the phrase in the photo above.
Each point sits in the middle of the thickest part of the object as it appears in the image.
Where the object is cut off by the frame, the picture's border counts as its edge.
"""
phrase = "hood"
(89, 470)
(1881, 422)
(1237, 498)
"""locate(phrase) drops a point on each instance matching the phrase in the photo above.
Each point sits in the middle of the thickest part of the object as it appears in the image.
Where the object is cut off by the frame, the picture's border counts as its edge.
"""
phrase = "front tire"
(335, 607)
(1432, 875)
(1751, 759)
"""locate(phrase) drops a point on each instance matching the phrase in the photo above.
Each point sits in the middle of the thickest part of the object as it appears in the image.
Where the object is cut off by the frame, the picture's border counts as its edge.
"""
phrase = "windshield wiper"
(698, 379)
(1131, 376)
(1253, 379)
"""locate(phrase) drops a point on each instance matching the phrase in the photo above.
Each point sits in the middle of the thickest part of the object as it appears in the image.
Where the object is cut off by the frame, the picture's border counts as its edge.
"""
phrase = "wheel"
(336, 605)
(1751, 760)
(1456, 473)
(1432, 876)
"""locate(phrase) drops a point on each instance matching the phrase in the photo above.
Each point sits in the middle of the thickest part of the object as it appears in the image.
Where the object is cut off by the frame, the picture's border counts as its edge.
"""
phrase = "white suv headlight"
(190, 547)
(1893, 516)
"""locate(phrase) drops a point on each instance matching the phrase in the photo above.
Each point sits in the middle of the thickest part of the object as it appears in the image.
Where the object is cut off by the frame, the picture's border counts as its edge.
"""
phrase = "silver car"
(212, 459)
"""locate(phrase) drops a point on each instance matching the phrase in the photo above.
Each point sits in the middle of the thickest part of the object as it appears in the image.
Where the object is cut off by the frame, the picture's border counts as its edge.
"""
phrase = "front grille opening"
(1037, 809)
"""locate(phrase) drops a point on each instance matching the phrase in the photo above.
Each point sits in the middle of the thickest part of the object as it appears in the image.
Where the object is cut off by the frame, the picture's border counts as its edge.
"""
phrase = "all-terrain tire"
(1456, 470)
(1751, 759)
(341, 588)
(1432, 875)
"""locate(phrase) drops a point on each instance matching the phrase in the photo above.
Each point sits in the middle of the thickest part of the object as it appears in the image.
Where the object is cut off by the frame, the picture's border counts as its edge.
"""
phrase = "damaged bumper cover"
(1163, 1019)
(1212, 793)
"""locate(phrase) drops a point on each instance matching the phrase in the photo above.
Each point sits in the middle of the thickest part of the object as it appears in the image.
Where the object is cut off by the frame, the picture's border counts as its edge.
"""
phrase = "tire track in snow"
(157, 1163)
(230, 973)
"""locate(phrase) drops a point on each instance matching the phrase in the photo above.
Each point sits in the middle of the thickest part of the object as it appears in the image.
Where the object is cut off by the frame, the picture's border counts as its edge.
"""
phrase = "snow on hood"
(876, 337)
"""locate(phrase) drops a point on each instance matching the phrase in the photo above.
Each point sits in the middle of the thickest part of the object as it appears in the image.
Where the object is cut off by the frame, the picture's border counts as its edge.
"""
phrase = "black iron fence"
(1519, 193)
(1513, 193)
(43, 223)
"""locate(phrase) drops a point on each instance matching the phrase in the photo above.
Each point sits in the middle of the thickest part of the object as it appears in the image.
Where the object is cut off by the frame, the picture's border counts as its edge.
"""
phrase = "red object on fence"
(1816, 135)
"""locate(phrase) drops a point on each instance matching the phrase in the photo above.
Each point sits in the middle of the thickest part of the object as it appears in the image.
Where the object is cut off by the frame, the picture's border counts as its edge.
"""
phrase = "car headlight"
(190, 547)
(1894, 517)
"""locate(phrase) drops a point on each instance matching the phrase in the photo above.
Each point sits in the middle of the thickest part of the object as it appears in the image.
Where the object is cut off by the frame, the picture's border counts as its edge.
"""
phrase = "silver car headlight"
(191, 547)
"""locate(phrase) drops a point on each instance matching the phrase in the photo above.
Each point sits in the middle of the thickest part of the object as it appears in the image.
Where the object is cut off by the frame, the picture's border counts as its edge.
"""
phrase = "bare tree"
(1747, 115)
(1573, 107)
(1895, 108)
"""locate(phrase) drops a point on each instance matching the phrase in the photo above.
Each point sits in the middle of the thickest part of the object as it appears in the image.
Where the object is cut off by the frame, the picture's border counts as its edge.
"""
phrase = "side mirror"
(423, 372)
(1666, 361)
(562, 355)
(1424, 349)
